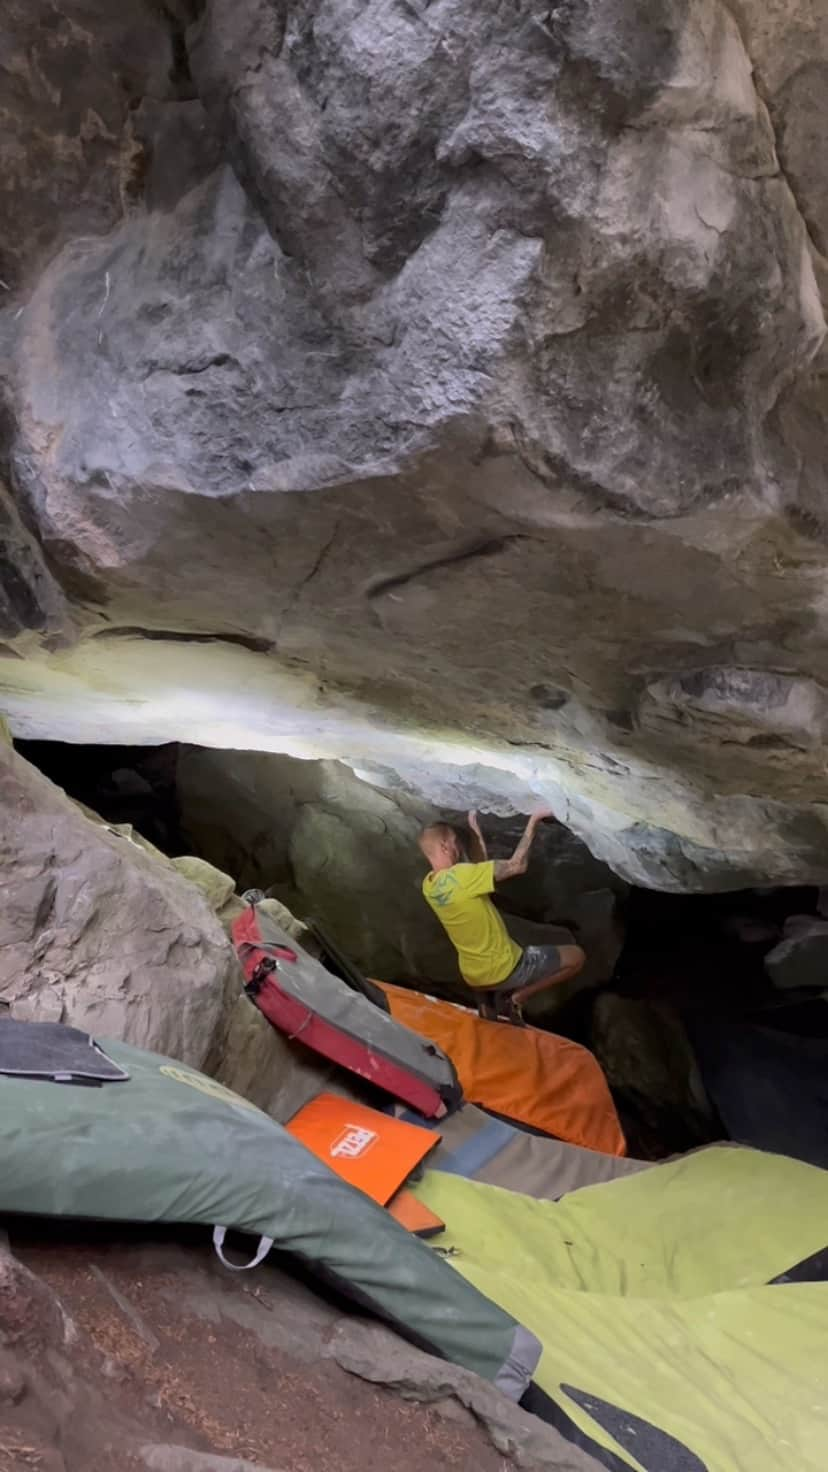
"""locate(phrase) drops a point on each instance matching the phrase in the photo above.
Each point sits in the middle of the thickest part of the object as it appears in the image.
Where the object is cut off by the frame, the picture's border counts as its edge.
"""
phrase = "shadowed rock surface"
(141, 1352)
(97, 932)
(345, 853)
(439, 388)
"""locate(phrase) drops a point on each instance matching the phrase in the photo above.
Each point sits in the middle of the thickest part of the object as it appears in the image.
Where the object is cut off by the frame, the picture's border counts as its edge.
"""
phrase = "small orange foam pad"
(522, 1073)
(369, 1150)
(413, 1215)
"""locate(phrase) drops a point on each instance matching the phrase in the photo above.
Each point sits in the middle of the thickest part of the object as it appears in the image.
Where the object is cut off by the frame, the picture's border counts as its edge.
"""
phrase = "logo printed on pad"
(206, 1086)
(373, 1152)
(352, 1142)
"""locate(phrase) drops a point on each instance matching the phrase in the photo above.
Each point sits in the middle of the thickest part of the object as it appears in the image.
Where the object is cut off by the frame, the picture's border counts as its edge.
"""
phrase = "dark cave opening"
(706, 951)
(695, 1033)
(122, 784)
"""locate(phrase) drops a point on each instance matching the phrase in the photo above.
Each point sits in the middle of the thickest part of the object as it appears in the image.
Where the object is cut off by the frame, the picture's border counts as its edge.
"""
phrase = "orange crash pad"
(414, 1215)
(372, 1151)
(532, 1077)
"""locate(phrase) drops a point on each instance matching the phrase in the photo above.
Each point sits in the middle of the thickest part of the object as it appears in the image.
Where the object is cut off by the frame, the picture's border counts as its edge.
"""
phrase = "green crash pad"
(171, 1145)
(667, 1347)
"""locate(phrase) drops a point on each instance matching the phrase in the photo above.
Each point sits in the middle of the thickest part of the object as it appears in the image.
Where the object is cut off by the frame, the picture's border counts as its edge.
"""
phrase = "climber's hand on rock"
(541, 815)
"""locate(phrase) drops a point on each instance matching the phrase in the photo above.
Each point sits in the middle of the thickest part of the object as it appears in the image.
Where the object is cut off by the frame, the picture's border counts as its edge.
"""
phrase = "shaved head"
(441, 845)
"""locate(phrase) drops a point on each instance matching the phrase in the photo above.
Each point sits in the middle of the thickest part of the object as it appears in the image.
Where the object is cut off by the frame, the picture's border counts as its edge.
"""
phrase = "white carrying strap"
(265, 1244)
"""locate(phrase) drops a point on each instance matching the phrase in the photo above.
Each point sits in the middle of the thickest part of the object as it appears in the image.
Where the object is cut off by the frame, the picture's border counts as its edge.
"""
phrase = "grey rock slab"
(801, 959)
(374, 1354)
(167, 1457)
(99, 933)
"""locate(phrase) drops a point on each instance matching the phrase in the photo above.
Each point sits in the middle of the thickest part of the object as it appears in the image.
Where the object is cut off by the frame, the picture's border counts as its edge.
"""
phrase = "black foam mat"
(49, 1050)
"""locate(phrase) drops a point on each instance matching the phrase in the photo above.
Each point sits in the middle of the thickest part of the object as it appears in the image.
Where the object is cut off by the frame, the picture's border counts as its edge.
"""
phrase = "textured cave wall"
(461, 368)
(344, 852)
(329, 846)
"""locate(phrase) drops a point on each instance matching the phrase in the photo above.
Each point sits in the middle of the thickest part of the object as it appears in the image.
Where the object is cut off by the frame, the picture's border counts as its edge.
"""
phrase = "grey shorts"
(536, 963)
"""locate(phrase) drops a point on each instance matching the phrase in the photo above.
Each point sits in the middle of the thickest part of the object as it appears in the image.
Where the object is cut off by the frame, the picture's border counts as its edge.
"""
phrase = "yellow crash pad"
(653, 1294)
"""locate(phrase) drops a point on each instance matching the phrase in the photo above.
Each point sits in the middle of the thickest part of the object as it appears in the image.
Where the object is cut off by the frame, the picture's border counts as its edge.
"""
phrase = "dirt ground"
(112, 1346)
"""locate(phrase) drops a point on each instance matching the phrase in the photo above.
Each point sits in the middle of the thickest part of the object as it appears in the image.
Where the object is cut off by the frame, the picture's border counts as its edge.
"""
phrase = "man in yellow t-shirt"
(458, 893)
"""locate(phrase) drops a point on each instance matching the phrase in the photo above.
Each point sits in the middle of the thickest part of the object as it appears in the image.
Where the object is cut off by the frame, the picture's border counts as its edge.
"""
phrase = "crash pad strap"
(265, 1244)
(476, 1152)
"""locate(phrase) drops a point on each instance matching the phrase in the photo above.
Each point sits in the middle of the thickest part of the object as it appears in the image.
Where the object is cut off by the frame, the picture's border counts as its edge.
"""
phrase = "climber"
(503, 975)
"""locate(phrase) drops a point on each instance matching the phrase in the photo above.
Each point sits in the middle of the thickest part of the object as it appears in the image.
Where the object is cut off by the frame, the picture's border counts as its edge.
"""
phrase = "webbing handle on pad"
(265, 1244)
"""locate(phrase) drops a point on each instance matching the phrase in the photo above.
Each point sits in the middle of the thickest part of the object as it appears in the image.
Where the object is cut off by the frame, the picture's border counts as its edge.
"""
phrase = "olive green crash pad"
(168, 1144)
(667, 1346)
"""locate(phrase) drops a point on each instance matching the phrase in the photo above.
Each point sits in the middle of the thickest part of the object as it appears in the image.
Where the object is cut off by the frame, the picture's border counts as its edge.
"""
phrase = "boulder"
(598, 926)
(218, 889)
(373, 1353)
(647, 1056)
(360, 874)
(100, 933)
(439, 389)
(801, 959)
(333, 847)
(103, 931)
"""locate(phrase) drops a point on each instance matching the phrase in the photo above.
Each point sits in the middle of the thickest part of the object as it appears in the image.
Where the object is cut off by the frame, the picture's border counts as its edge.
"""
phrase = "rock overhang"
(462, 388)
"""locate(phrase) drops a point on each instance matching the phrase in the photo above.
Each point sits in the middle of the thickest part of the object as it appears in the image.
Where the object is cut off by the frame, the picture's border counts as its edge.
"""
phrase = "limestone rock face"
(438, 388)
(97, 932)
(332, 848)
(218, 889)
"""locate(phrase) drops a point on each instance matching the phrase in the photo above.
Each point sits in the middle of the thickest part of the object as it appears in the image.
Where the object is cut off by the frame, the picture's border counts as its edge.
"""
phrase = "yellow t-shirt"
(459, 897)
